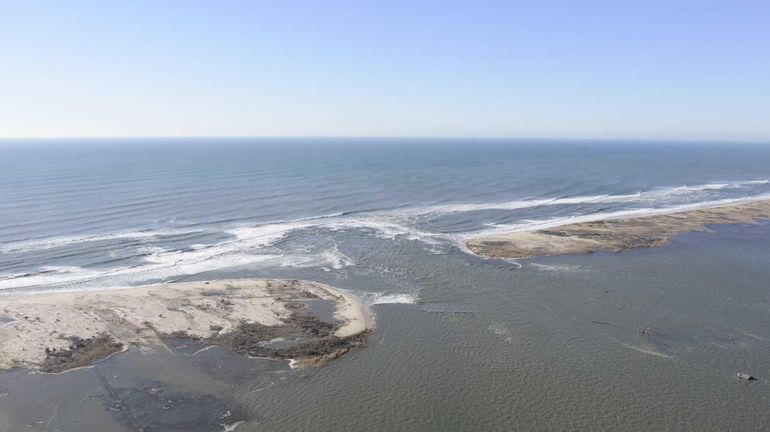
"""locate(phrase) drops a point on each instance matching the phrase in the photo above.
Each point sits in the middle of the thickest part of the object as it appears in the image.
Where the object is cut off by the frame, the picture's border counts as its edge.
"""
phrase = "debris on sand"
(81, 352)
(57, 331)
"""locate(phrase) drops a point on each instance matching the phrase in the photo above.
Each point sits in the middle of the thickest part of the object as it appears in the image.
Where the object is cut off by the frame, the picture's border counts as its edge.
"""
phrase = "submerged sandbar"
(58, 331)
(617, 234)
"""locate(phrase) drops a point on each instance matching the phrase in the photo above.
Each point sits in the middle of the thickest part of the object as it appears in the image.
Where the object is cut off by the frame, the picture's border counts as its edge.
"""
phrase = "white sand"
(135, 316)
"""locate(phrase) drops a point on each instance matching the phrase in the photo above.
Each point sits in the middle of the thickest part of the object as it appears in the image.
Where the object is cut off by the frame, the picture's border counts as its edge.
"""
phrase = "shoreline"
(615, 234)
(59, 331)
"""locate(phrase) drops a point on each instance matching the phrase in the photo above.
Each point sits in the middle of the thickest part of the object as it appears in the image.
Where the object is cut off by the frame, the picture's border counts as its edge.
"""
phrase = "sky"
(522, 69)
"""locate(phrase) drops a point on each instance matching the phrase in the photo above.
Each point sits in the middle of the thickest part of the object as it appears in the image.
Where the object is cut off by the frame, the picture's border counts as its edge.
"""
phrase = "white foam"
(251, 245)
(554, 267)
(47, 275)
(494, 229)
(644, 350)
(167, 265)
(336, 259)
(382, 225)
(247, 248)
(54, 242)
(388, 224)
(646, 196)
(518, 204)
(500, 330)
(386, 227)
(265, 235)
(389, 298)
(328, 260)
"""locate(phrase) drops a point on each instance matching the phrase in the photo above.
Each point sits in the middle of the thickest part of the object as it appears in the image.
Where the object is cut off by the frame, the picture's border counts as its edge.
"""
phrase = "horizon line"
(380, 137)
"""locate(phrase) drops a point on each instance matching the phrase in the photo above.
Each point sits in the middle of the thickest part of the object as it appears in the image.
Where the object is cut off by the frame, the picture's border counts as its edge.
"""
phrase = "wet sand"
(614, 235)
(58, 331)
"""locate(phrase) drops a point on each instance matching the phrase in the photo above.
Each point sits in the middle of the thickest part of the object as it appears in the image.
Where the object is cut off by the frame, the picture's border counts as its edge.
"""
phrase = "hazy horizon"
(445, 139)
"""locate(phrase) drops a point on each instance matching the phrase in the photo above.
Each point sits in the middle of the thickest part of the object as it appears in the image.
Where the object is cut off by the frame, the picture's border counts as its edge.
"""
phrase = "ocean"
(117, 213)
(551, 343)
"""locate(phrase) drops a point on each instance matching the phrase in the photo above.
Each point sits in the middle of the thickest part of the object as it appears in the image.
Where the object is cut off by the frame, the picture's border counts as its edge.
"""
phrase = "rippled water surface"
(643, 340)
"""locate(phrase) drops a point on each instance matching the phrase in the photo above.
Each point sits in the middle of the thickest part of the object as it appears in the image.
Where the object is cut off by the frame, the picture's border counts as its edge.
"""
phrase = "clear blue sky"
(607, 69)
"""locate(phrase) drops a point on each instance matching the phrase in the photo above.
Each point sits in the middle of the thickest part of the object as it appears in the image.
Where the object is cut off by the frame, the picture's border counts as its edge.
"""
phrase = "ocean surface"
(549, 343)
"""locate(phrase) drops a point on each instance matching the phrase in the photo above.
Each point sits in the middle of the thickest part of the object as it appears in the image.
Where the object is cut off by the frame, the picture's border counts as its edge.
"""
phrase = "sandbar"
(616, 235)
(57, 331)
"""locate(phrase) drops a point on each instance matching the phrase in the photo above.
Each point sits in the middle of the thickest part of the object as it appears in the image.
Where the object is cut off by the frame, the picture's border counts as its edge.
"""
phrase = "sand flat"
(615, 234)
(137, 317)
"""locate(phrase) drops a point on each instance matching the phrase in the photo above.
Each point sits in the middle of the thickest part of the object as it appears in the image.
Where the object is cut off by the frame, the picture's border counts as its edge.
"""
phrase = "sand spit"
(57, 331)
(615, 234)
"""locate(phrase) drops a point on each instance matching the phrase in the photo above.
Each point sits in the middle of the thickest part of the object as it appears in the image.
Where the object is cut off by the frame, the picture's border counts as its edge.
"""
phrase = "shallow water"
(555, 344)
(642, 340)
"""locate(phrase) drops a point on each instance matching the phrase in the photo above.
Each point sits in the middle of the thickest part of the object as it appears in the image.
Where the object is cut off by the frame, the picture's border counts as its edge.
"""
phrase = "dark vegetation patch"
(308, 337)
(321, 350)
(248, 339)
(292, 288)
(81, 352)
(179, 334)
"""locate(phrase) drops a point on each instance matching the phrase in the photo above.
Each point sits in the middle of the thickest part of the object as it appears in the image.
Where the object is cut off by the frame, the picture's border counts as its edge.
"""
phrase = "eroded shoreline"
(54, 332)
(614, 235)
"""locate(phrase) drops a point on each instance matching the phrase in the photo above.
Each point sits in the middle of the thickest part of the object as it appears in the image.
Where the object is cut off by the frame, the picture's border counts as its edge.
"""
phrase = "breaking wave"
(389, 298)
(220, 246)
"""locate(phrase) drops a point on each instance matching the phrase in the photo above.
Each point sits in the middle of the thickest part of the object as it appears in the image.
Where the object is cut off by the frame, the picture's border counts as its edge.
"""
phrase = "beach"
(59, 331)
(616, 235)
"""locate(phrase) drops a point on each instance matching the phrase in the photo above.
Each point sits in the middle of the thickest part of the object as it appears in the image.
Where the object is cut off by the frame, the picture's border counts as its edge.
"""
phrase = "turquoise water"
(552, 343)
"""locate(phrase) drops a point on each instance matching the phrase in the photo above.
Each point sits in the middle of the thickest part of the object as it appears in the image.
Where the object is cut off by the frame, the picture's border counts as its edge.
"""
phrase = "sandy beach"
(614, 235)
(62, 330)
